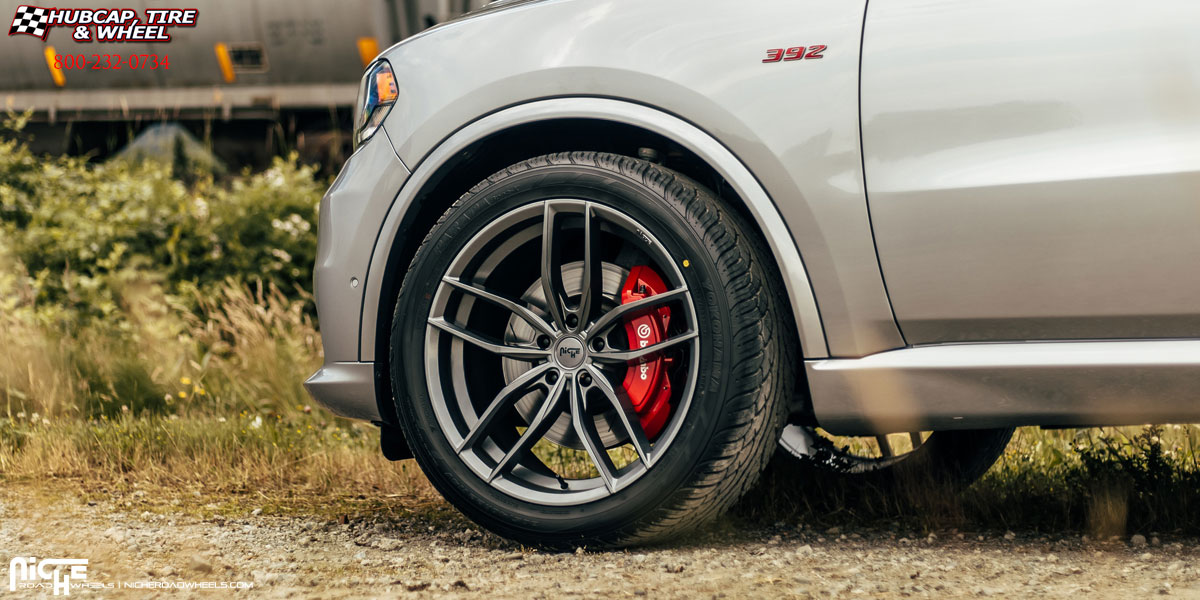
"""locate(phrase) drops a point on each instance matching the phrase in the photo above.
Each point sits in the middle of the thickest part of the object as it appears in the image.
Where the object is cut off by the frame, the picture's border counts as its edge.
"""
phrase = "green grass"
(214, 465)
(1100, 482)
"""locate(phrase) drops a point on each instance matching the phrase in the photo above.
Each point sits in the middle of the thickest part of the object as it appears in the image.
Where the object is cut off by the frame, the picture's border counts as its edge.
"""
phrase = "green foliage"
(12, 436)
(80, 230)
(118, 280)
(1138, 462)
(263, 228)
(112, 376)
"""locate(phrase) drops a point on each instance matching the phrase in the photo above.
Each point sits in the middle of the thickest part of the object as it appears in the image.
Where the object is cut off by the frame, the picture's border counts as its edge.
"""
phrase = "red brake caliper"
(646, 381)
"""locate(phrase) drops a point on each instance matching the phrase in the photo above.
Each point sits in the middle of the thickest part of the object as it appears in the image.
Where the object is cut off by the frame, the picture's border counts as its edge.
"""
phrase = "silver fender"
(764, 211)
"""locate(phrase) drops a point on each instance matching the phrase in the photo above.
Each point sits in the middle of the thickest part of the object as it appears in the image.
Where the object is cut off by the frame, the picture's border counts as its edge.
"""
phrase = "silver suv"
(595, 262)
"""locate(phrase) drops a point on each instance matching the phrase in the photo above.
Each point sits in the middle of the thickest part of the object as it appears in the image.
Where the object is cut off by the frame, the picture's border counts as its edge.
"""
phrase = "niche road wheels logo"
(103, 24)
(30, 573)
(61, 575)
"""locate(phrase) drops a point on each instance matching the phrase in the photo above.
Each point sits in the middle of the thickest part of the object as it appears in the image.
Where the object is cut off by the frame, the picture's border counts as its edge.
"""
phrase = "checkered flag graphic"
(30, 20)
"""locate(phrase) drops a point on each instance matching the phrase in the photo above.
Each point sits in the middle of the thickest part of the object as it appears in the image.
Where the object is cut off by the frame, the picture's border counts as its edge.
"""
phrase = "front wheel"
(586, 351)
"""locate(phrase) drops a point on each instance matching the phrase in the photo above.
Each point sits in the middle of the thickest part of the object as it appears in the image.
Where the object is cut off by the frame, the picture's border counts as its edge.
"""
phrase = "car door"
(1033, 166)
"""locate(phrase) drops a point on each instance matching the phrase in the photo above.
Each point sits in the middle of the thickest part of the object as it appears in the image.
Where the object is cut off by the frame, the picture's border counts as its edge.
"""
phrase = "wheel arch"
(513, 134)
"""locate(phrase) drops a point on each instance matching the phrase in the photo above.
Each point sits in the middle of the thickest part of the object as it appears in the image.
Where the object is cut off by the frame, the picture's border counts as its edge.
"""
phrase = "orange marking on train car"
(368, 49)
(225, 62)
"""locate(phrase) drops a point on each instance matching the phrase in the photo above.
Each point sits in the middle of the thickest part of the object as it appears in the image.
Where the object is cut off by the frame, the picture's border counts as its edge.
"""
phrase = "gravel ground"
(448, 558)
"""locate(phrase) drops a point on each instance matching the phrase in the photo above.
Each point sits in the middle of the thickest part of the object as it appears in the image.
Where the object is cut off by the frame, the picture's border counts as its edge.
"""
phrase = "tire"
(953, 459)
(728, 383)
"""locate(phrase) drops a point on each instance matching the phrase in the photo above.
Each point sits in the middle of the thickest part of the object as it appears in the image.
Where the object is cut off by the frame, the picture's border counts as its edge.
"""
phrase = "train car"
(252, 78)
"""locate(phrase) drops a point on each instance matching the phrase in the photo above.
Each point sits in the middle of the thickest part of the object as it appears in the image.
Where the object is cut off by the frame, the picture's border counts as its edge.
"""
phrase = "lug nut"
(572, 321)
(543, 341)
(552, 377)
(598, 344)
(585, 379)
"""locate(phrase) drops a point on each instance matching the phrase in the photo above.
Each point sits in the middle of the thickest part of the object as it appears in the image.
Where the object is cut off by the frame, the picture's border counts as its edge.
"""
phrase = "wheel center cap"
(569, 352)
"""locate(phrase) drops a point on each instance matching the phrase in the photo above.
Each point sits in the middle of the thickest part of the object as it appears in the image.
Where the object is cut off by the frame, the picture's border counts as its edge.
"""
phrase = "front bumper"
(351, 214)
(347, 389)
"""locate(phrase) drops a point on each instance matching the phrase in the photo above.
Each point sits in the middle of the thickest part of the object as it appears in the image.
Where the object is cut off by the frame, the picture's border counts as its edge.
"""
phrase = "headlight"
(375, 99)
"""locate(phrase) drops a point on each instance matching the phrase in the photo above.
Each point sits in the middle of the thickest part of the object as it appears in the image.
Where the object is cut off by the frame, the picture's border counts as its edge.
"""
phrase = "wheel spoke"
(915, 438)
(528, 315)
(538, 426)
(585, 428)
(885, 447)
(626, 413)
(592, 282)
(552, 284)
(518, 352)
(613, 316)
(504, 400)
(631, 355)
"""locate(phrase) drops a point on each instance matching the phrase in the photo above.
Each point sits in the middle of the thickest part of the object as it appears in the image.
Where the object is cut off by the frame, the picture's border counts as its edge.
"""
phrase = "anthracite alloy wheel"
(586, 351)
(567, 363)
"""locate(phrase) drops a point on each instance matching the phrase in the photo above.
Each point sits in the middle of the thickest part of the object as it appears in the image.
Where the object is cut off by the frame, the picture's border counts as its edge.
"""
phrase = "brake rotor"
(519, 331)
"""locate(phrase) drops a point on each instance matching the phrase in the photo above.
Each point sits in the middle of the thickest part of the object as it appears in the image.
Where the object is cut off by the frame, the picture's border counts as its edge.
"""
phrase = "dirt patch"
(419, 555)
